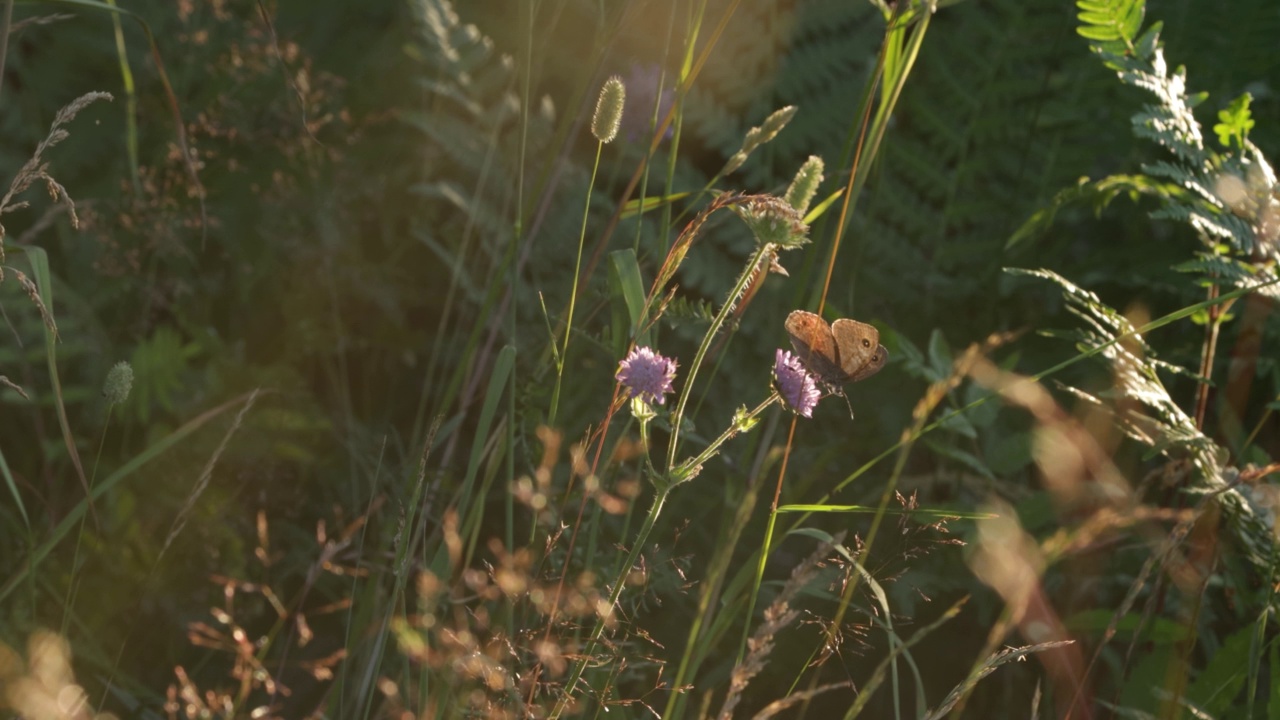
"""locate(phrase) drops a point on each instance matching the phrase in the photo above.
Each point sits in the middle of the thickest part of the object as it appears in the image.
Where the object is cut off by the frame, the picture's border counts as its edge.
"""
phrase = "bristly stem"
(573, 295)
(760, 254)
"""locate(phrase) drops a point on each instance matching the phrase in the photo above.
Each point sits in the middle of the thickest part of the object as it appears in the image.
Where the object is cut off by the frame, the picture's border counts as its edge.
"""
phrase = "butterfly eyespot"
(866, 342)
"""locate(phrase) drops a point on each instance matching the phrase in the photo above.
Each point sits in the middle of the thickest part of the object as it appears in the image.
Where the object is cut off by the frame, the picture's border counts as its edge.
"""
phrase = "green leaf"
(1160, 631)
(1235, 122)
(1112, 26)
(960, 425)
(939, 355)
(1216, 687)
(638, 206)
(1146, 44)
(39, 261)
(820, 209)
(628, 283)
(869, 509)
(1273, 707)
(964, 458)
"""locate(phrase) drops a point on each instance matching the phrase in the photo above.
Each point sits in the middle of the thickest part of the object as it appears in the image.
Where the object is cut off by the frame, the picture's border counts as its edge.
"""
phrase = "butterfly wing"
(859, 349)
(877, 363)
(814, 343)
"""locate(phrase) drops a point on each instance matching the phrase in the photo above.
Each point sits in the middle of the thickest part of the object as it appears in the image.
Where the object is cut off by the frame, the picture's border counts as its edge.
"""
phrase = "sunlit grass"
(579, 495)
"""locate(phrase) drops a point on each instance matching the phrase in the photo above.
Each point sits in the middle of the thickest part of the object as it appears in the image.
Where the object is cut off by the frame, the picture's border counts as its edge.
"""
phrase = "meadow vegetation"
(431, 359)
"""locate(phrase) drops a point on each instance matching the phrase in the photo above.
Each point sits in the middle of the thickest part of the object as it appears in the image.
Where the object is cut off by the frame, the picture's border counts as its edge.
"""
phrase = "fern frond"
(1111, 21)
(1148, 414)
(681, 310)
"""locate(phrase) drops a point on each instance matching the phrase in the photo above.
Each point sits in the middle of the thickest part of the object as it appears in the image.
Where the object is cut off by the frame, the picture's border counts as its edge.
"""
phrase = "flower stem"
(734, 429)
(716, 324)
(573, 296)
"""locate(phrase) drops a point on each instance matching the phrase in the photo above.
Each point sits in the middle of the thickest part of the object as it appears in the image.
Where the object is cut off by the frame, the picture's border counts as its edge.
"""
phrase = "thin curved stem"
(716, 324)
(573, 296)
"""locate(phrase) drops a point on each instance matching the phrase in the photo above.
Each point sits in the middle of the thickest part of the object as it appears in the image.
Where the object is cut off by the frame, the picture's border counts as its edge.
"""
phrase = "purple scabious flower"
(647, 375)
(796, 386)
(642, 90)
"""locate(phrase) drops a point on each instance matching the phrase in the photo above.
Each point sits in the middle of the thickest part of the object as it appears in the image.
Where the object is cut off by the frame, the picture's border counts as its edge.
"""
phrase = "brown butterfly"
(840, 353)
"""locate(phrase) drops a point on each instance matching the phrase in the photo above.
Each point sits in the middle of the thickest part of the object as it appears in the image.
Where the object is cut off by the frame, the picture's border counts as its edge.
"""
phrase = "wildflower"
(647, 375)
(797, 387)
(642, 86)
(773, 221)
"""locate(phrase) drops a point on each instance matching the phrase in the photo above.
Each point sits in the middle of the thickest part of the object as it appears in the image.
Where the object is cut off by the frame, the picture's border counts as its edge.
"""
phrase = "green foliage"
(340, 394)
(1235, 122)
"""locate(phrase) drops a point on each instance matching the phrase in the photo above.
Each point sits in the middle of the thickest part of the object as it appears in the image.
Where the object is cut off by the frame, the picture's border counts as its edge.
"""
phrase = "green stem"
(736, 427)
(73, 587)
(716, 324)
(6, 21)
(573, 296)
(659, 499)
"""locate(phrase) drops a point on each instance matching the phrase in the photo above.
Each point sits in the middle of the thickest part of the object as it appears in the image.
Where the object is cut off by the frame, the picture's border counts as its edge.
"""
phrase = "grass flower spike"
(119, 383)
(647, 375)
(796, 386)
(604, 124)
(805, 185)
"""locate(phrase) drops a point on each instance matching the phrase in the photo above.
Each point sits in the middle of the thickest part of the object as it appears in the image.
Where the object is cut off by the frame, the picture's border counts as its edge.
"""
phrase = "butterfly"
(840, 353)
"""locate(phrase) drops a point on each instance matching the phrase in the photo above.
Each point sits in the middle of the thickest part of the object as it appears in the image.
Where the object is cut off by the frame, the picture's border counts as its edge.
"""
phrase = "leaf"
(821, 208)
(1235, 122)
(939, 355)
(1273, 707)
(938, 513)
(638, 206)
(1216, 687)
(1158, 630)
(960, 425)
(39, 260)
(626, 280)
(964, 458)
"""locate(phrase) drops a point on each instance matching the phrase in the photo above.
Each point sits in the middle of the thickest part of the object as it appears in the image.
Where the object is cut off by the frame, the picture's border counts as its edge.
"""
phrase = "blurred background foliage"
(365, 218)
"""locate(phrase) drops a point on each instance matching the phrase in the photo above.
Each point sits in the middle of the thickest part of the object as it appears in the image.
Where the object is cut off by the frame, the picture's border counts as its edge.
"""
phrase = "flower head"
(773, 221)
(642, 84)
(797, 387)
(118, 384)
(608, 115)
(647, 375)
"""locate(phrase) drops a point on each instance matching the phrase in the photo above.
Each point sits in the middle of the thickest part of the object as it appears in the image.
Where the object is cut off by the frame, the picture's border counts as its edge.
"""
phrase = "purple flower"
(795, 384)
(642, 95)
(647, 375)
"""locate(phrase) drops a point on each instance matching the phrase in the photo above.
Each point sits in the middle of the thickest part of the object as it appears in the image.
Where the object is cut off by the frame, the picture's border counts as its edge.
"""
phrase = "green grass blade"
(626, 275)
(13, 490)
(151, 453)
(39, 261)
(918, 512)
(497, 381)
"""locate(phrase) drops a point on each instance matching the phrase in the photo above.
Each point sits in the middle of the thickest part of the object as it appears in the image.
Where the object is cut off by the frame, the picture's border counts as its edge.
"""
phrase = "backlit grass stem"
(604, 125)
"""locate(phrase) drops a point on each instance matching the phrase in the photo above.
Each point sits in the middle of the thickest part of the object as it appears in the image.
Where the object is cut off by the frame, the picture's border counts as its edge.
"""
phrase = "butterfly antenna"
(847, 404)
